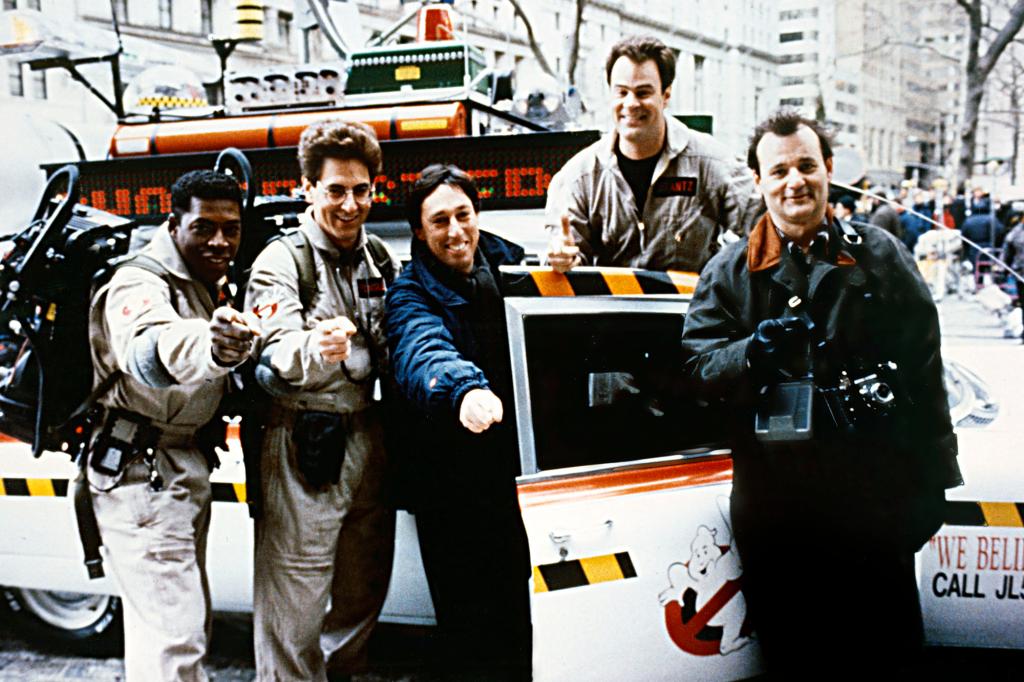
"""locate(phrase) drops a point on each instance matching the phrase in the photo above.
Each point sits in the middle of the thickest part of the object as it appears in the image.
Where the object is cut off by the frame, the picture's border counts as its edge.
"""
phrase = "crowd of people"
(801, 292)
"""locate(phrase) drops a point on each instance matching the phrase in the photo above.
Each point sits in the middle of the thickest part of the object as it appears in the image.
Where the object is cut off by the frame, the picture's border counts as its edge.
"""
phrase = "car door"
(624, 493)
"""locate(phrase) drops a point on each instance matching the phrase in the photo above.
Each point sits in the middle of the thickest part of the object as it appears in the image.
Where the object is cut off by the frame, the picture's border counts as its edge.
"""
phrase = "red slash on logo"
(692, 634)
(265, 311)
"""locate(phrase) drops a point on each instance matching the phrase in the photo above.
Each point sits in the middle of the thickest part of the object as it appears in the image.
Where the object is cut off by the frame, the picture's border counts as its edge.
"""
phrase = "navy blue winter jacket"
(431, 344)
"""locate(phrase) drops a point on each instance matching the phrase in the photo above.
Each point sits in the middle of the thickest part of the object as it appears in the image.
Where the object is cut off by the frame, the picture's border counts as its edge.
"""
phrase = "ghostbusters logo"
(705, 613)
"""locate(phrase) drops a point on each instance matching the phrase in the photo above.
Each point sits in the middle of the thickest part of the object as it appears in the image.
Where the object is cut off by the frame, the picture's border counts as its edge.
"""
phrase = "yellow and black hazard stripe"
(167, 102)
(585, 281)
(58, 487)
(563, 575)
(991, 514)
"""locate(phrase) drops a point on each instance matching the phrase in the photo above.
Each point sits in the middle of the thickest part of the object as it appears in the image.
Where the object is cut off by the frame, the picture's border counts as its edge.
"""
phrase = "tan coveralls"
(323, 557)
(159, 337)
(698, 190)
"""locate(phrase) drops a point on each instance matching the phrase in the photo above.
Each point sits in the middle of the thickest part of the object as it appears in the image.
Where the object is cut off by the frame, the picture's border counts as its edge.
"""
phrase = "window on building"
(32, 4)
(793, 80)
(39, 84)
(164, 10)
(206, 17)
(852, 128)
(10, 4)
(284, 27)
(17, 82)
(791, 37)
(792, 101)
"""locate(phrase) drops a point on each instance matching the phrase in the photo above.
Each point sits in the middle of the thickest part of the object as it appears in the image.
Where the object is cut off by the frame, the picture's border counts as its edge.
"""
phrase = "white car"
(624, 496)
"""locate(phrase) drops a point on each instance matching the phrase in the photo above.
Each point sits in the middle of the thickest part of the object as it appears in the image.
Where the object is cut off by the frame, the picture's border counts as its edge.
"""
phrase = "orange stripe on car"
(622, 283)
(1001, 514)
(551, 283)
(626, 482)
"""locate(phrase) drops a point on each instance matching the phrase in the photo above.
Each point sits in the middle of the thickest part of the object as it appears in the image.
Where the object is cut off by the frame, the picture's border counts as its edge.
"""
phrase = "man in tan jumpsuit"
(325, 540)
(651, 193)
(171, 348)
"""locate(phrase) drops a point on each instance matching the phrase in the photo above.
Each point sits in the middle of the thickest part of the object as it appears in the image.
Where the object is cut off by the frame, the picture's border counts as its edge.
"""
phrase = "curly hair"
(784, 122)
(432, 177)
(203, 184)
(337, 140)
(639, 49)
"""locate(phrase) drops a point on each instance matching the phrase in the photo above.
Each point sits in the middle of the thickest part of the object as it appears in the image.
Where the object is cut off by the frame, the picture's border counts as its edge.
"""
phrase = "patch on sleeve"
(265, 311)
(135, 306)
(675, 187)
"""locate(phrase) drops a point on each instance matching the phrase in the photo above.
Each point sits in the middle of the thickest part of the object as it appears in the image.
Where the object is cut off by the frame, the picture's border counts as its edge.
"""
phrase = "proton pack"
(46, 279)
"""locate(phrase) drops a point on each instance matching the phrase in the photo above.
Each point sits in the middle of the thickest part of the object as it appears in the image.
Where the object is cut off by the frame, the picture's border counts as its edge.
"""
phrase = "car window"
(605, 388)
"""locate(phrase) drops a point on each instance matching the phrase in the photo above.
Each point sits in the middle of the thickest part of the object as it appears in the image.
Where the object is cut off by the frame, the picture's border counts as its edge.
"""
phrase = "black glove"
(780, 349)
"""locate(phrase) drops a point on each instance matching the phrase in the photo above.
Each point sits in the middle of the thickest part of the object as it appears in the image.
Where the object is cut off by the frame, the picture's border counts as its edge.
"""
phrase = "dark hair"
(432, 177)
(848, 202)
(203, 184)
(337, 140)
(785, 122)
(640, 49)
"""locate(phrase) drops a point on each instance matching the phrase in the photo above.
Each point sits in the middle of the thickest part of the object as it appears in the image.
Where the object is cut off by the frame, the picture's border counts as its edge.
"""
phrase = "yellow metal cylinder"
(248, 20)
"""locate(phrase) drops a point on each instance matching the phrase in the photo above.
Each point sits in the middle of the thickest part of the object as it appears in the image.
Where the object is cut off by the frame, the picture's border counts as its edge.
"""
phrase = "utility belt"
(125, 436)
(319, 431)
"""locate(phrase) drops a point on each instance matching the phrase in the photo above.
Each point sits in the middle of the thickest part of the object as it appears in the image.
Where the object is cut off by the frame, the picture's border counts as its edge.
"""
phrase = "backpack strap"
(299, 247)
(381, 257)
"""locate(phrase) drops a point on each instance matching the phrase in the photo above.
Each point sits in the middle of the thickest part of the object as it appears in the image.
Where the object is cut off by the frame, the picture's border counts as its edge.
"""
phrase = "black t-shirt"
(638, 175)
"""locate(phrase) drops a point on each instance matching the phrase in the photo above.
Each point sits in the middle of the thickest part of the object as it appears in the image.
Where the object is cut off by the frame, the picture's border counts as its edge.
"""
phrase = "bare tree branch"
(542, 61)
(978, 67)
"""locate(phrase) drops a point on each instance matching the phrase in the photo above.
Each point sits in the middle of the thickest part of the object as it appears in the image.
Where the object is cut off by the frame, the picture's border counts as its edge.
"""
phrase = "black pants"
(824, 608)
(477, 565)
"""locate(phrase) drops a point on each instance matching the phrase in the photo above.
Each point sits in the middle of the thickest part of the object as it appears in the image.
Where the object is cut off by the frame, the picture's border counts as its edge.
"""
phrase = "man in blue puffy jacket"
(450, 361)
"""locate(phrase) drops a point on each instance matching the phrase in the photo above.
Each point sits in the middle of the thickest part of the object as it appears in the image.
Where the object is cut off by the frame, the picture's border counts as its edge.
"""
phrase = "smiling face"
(794, 182)
(341, 199)
(638, 106)
(448, 226)
(207, 236)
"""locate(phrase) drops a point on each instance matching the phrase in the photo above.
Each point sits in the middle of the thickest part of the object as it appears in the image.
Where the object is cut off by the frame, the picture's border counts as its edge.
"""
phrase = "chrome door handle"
(560, 536)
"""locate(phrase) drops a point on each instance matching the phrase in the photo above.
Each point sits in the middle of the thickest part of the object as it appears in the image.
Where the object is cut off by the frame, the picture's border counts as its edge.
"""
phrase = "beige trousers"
(323, 558)
(155, 546)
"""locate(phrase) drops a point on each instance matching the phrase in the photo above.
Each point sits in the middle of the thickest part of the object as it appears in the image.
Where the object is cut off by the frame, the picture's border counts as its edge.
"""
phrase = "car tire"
(87, 624)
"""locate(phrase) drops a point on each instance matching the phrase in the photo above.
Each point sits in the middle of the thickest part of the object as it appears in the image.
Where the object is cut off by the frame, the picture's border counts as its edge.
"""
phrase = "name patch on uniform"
(371, 288)
(675, 187)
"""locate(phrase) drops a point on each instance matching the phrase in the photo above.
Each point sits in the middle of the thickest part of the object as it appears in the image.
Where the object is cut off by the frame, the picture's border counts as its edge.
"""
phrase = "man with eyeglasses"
(325, 537)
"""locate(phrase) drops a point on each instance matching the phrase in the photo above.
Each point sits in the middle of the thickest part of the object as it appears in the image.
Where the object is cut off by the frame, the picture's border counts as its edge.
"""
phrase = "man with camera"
(325, 538)
(161, 352)
(823, 342)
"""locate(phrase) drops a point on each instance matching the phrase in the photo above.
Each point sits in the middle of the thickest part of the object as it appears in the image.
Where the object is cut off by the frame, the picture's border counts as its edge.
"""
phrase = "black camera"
(862, 403)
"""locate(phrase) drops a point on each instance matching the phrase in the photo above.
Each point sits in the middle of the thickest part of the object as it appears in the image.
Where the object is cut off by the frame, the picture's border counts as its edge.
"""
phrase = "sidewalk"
(965, 320)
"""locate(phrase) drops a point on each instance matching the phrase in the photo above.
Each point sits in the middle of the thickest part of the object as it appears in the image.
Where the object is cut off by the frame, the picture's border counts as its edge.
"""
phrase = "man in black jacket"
(826, 522)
